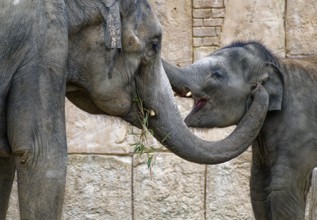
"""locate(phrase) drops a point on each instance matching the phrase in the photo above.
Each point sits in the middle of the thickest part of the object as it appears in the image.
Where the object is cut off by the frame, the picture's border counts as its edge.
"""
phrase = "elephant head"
(105, 78)
(220, 83)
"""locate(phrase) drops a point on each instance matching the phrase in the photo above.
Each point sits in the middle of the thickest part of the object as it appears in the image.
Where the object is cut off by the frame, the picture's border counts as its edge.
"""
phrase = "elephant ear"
(112, 23)
(272, 80)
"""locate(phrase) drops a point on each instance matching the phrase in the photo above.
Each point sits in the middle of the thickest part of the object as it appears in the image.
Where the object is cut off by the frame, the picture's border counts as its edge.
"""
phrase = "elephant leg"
(4, 144)
(259, 185)
(41, 179)
(289, 188)
(36, 133)
(5, 149)
(7, 171)
(7, 167)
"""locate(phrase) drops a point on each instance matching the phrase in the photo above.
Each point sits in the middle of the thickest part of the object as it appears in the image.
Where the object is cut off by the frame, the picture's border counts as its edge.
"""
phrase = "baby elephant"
(285, 151)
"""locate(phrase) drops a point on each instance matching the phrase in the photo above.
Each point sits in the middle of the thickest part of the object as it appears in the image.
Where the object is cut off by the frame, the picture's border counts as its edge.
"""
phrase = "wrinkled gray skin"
(98, 53)
(285, 151)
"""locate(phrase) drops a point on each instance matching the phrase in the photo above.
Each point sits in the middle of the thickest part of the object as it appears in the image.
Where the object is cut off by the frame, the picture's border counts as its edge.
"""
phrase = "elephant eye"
(216, 75)
(155, 46)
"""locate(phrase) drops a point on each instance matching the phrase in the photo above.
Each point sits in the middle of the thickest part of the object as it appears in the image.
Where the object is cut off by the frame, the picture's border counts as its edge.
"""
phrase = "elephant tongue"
(199, 104)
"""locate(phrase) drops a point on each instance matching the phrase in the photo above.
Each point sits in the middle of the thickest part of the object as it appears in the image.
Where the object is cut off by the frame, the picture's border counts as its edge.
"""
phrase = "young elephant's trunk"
(178, 83)
(170, 130)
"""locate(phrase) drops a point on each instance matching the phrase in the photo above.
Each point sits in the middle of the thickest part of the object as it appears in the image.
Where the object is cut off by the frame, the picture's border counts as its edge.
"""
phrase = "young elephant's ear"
(272, 80)
(112, 23)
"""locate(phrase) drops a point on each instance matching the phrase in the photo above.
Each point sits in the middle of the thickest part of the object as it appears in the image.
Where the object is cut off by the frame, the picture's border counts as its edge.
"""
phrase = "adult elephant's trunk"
(169, 128)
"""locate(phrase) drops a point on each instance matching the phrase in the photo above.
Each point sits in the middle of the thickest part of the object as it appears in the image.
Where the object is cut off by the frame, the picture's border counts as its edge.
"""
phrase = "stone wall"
(107, 181)
(208, 17)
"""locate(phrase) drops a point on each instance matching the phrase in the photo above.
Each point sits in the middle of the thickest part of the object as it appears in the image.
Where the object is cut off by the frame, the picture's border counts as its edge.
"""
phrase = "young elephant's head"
(122, 75)
(220, 83)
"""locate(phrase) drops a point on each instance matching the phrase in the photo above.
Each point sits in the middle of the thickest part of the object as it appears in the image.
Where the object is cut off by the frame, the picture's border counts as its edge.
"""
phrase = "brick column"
(208, 16)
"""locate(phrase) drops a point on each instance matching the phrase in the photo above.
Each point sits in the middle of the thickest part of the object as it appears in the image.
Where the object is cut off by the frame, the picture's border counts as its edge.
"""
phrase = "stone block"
(175, 17)
(88, 133)
(255, 20)
(198, 22)
(227, 190)
(208, 4)
(218, 12)
(301, 27)
(201, 13)
(218, 31)
(213, 22)
(199, 4)
(211, 41)
(204, 32)
(98, 187)
(217, 3)
(198, 42)
(173, 189)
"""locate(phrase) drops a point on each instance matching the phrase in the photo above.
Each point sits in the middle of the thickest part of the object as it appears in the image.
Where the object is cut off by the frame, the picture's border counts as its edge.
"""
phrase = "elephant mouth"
(191, 118)
(199, 104)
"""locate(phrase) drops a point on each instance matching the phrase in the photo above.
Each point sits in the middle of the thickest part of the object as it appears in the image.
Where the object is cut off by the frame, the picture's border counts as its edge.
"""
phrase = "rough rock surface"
(98, 187)
(255, 20)
(175, 17)
(227, 190)
(100, 134)
(301, 27)
(173, 189)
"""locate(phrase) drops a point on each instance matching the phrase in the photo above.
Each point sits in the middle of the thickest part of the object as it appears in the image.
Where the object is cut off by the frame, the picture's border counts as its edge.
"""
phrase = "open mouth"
(199, 104)
(192, 118)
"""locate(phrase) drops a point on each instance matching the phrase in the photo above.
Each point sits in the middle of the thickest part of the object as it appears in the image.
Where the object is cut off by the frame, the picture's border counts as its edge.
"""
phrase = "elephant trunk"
(168, 126)
(178, 83)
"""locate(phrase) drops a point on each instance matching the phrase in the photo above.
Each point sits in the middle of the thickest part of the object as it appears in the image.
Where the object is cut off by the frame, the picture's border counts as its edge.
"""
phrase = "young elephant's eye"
(216, 75)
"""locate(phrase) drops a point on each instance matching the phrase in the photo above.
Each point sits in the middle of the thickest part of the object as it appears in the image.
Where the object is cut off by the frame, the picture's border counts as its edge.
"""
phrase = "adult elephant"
(285, 151)
(102, 54)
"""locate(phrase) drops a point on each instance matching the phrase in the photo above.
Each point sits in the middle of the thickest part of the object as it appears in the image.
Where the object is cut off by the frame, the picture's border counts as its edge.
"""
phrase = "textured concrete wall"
(107, 181)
